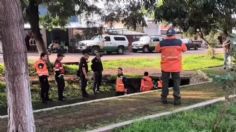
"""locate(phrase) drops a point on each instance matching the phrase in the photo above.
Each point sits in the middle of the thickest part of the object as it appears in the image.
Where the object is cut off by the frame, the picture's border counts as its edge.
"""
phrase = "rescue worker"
(171, 64)
(120, 83)
(97, 68)
(59, 76)
(159, 84)
(146, 83)
(83, 73)
(42, 71)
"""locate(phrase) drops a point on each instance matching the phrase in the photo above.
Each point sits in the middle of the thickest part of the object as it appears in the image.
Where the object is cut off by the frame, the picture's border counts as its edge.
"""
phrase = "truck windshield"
(96, 38)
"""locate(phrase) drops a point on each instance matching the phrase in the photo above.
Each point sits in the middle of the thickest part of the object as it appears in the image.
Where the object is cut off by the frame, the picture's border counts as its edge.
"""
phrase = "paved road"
(74, 57)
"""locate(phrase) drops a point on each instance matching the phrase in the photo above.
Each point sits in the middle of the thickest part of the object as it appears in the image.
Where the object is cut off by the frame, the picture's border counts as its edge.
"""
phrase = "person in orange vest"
(171, 64)
(146, 83)
(120, 83)
(159, 84)
(42, 71)
(59, 76)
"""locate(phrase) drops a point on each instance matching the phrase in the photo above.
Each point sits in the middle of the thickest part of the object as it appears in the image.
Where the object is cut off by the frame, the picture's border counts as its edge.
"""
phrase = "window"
(119, 38)
(155, 39)
(107, 38)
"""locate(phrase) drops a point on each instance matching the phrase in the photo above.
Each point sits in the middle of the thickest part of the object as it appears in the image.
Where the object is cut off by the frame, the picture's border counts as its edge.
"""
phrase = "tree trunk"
(211, 50)
(33, 18)
(17, 75)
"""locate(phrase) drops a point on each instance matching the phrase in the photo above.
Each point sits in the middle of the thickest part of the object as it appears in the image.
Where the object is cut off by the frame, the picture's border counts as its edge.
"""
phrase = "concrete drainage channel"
(134, 83)
(134, 87)
(98, 100)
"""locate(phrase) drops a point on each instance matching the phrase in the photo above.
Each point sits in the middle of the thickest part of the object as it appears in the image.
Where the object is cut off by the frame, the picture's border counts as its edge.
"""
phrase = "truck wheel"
(95, 50)
(121, 50)
(146, 49)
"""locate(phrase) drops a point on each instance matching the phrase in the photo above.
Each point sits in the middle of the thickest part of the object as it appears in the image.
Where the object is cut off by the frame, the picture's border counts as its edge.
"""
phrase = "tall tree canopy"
(203, 15)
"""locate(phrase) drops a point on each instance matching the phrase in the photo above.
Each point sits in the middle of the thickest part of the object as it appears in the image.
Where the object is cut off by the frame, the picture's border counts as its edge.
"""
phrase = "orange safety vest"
(171, 54)
(146, 84)
(120, 87)
(159, 84)
(41, 68)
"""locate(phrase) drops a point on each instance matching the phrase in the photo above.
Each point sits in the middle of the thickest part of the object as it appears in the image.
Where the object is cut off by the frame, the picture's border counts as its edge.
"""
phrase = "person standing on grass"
(171, 64)
(97, 68)
(120, 83)
(146, 83)
(83, 73)
(228, 51)
(42, 71)
(59, 76)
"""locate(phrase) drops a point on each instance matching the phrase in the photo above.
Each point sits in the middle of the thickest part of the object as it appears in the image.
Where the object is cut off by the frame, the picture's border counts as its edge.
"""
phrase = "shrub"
(1, 69)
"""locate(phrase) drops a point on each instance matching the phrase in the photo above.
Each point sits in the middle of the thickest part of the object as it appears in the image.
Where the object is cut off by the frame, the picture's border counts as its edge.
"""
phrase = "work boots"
(164, 100)
(177, 100)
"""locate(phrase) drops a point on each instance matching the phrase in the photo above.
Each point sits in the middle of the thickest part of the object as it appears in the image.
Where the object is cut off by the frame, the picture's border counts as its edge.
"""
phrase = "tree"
(133, 15)
(202, 16)
(17, 75)
(130, 13)
(59, 12)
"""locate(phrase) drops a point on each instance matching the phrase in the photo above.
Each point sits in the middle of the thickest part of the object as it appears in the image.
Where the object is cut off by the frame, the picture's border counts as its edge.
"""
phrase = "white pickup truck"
(105, 43)
(146, 44)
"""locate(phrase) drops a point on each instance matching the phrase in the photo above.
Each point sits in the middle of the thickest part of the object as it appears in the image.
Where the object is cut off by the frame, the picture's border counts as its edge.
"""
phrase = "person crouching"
(146, 83)
(120, 83)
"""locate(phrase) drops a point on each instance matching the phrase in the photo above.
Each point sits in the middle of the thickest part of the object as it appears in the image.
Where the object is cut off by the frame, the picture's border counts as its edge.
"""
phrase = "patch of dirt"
(93, 115)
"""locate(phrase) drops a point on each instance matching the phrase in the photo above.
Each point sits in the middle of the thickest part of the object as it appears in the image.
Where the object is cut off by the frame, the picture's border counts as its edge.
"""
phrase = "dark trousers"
(97, 81)
(60, 86)
(120, 93)
(44, 88)
(83, 85)
(176, 82)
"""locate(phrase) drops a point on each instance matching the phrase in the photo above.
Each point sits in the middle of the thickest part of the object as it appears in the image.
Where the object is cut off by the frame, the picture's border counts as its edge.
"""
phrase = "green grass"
(139, 63)
(190, 62)
(201, 120)
(72, 93)
(196, 62)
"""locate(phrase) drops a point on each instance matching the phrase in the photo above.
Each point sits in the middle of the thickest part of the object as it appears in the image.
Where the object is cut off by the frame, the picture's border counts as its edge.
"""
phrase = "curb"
(98, 100)
(156, 116)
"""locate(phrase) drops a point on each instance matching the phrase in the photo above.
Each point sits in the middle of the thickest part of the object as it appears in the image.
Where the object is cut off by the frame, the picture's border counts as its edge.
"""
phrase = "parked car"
(105, 43)
(191, 44)
(146, 44)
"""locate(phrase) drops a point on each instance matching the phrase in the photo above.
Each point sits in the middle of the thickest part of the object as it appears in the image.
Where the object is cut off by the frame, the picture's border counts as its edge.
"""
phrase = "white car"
(146, 43)
(105, 43)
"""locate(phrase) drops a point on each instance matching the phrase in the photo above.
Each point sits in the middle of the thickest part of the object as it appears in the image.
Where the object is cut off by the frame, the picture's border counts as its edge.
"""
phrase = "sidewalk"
(97, 114)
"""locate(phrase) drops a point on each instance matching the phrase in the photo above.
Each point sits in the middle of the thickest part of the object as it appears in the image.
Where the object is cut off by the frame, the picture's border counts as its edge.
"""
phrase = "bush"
(1, 69)
(2, 87)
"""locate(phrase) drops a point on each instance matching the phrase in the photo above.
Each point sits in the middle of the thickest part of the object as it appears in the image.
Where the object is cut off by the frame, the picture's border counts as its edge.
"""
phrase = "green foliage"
(134, 16)
(71, 69)
(2, 70)
(2, 87)
(191, 121)
(212, 38)
(203, 15)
